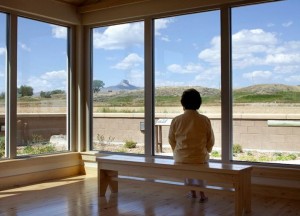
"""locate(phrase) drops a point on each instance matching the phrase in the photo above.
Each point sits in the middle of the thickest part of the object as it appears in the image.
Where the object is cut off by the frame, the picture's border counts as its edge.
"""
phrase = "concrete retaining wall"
(250, 131)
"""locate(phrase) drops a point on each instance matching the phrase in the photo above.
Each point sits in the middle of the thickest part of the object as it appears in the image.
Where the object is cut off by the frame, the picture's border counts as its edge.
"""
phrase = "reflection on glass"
(42, 88)
(266, 77)
(118, 88)
(184, 58)
(2, 82)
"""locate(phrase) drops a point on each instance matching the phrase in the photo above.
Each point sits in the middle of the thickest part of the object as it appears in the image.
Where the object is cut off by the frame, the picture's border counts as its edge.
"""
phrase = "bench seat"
(225, 178)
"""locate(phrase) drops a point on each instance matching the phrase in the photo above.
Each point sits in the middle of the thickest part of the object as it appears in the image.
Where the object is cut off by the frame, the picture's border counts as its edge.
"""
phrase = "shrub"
(37, 138)
(292, 156)
(215, 154)
(38, 149)
(110, 139)
(100, 138)
(284, 157)
(2, 147)
(237, 148)
(130, 144)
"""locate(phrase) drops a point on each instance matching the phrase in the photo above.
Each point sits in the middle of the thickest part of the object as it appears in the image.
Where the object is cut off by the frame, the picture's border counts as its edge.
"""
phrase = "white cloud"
(287, 24)
(59, 31)
(61, 74)
(249, 47)
(48, 81)
(165, 38)
(209, 74)
(136, 77)
(255, 48)
(257, 75)
(254, 36)
(212, 54)
(24, 47)
(39, 84)
(130, 61)
(293, 79)
(162, 24)
(2, 51)
(119, 36)
(283, 58)
(286, 69)
(186, 69)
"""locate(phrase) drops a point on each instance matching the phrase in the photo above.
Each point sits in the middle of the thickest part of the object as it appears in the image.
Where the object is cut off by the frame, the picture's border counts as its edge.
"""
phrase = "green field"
(170, 97)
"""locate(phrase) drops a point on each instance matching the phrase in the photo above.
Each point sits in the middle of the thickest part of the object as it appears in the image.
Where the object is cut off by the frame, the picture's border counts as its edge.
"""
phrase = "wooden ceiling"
(99, 3)
(80, 2)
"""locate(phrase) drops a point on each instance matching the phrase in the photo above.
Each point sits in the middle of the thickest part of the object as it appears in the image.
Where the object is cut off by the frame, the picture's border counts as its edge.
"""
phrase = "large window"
(265, 62)
(266, 82)
(2, 82)
(187, 55)
(42, 82)
(118, 88)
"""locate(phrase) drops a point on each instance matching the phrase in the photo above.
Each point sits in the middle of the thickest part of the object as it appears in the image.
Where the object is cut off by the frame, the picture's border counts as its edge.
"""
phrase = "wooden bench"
(230, 178)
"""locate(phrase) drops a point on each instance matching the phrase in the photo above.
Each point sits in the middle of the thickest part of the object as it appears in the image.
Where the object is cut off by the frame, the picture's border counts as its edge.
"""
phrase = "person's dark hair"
(191, 99)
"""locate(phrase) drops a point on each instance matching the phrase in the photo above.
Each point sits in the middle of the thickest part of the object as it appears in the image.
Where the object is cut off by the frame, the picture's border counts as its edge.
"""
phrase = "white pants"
(194, 182)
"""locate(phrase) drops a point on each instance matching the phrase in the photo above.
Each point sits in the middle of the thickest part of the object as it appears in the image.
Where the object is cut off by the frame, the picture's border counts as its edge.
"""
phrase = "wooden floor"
(78, 196)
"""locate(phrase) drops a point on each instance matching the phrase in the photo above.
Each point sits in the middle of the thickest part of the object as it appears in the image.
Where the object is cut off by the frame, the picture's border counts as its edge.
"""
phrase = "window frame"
(11, 87)
(226, 77)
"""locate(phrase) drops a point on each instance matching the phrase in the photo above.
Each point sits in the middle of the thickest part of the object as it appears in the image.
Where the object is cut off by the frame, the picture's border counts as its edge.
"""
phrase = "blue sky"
(42, 55)
(265, 41)
(265, 38)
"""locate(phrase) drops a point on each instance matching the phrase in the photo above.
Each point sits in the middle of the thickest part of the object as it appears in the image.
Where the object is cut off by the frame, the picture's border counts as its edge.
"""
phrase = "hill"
(170, 96)
(267, 93)
(268, 89)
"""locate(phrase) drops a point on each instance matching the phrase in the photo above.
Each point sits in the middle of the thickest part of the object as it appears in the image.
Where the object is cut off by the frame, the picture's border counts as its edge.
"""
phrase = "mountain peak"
(123, 85)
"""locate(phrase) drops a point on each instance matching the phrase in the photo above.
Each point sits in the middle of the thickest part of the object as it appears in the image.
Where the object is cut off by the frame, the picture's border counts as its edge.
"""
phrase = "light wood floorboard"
(77, 196)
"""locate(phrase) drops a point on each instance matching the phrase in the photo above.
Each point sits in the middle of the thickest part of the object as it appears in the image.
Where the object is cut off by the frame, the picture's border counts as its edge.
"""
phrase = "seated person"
(191, 136)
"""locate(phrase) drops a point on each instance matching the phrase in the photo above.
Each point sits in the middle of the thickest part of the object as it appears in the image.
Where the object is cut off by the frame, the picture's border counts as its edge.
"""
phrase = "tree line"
(25, 90)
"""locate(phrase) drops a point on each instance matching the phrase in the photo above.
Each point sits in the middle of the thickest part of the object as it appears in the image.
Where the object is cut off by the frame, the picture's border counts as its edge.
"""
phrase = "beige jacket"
(191, 137)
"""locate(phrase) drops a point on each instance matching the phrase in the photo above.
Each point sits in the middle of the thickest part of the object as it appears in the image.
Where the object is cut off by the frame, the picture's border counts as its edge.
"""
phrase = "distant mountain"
(122, 86)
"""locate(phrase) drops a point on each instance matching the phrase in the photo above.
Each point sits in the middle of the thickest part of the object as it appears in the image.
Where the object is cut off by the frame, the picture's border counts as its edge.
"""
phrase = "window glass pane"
(2, 82)
(118, 88)
(187, 55)
(42, 87)
(266, 78)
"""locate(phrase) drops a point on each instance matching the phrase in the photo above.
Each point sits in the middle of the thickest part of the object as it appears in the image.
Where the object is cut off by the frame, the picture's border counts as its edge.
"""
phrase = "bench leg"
(247, 191)
(239, 199)
(113, 185)
(102, 182)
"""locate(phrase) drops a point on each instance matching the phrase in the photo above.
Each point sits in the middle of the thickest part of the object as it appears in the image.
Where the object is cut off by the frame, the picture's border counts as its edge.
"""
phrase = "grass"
(114, 110)
(136, 99)
(167, 100)
(127, 101)
(120, 148)
(279, 97)
(37, 146)
(257, 156)
(36, 149)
